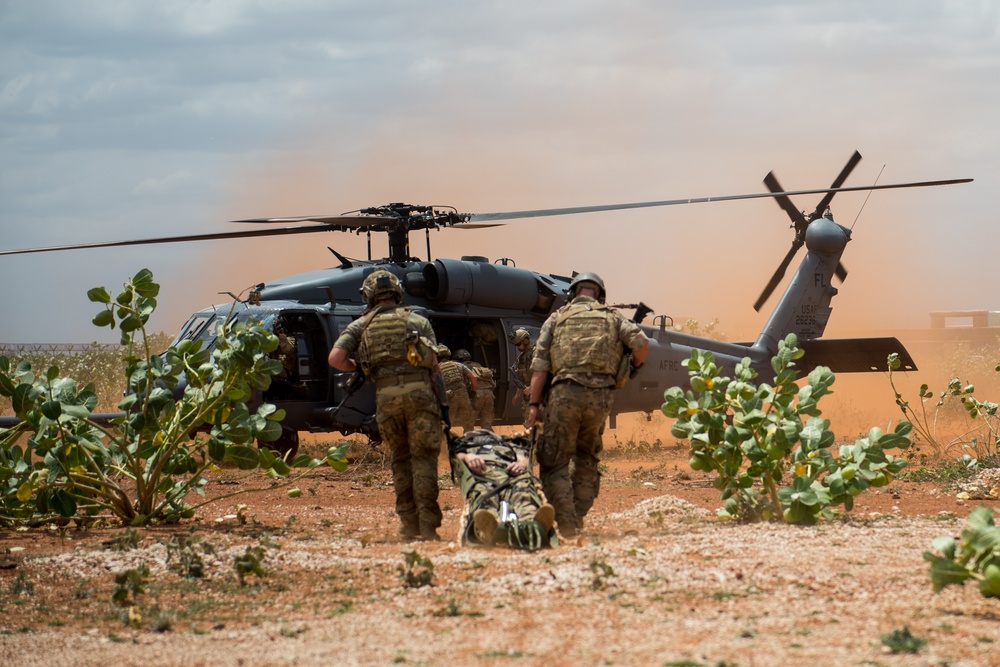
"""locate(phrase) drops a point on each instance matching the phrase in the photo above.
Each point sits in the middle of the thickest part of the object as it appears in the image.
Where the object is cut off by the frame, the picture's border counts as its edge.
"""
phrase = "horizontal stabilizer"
(854, 355)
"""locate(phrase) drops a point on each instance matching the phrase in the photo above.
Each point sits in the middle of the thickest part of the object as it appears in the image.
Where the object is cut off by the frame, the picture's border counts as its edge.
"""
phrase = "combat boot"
(486, 526)
(410, 528)
(546, 515)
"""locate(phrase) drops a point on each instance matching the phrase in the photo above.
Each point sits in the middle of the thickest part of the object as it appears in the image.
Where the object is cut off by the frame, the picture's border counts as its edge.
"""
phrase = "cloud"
(148, 119)
(175, 182)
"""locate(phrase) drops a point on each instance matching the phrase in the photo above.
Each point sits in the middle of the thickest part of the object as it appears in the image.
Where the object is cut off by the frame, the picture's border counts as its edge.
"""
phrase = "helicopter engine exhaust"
(452, 282)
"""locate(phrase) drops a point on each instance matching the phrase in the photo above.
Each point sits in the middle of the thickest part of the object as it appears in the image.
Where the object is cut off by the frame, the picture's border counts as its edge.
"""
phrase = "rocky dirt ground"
(655, 580)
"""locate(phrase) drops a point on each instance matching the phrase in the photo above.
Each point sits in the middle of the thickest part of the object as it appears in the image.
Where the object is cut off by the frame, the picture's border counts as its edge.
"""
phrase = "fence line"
(19, 349)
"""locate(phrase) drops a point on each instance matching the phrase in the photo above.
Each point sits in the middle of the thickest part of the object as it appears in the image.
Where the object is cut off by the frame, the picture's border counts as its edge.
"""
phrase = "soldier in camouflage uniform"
(582, 346)
(461, 383)
(522, 370)
(503, 498)
(483, 402)
(396, 350)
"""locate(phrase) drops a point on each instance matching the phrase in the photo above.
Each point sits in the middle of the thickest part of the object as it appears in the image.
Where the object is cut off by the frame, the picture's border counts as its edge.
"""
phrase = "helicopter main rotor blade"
(177, 239)
(778, 274)
(542, 213)
(844, 173)
(335, 221)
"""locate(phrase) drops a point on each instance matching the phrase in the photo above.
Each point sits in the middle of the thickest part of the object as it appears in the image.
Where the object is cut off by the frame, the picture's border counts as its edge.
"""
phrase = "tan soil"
(656, 579)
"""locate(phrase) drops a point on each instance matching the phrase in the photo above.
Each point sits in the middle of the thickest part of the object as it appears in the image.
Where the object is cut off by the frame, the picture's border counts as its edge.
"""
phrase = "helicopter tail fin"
(804, 308)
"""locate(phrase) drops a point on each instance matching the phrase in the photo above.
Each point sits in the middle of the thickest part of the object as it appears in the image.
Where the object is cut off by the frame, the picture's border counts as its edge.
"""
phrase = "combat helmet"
(585, 278)
(462, 355)
(379, 285)
(520, 337)
(442, 351)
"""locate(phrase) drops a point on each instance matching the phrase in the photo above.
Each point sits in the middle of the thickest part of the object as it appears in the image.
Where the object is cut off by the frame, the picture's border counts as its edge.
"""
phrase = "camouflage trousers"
(460, 410)
(484, 409)
(573, 425)
(409, 421)
(521, 494)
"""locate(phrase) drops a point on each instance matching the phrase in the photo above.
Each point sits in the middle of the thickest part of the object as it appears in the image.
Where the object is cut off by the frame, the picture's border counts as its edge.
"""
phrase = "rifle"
(351, 386)
(441, 394)
(641, 310)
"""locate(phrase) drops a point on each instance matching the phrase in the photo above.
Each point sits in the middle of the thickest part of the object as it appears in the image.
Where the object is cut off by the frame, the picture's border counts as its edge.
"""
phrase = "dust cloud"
(706, 262)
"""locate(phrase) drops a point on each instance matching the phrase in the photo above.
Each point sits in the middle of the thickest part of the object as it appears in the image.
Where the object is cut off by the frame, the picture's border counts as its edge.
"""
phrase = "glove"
(446, 415)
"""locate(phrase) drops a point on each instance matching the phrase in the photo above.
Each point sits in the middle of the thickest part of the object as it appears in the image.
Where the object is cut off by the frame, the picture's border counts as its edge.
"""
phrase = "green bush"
(142, 467)
(976, 556)
(754, 437)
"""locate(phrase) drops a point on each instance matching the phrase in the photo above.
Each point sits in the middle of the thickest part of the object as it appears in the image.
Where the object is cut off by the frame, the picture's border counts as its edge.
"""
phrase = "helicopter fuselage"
(476, 305)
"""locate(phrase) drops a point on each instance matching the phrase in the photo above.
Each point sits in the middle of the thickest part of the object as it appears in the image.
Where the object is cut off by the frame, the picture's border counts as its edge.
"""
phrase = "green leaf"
(243, 457)
(280, 467)
(945, 572)
(63, 503)
(104, 318)
(98, 295)
(216, 450)
(51, 409)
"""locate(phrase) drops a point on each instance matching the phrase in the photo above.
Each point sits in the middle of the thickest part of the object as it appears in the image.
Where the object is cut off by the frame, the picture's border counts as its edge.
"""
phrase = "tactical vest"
(585, 340)
(484, 377)
(454, 377)
(383, 342)
(523, 365)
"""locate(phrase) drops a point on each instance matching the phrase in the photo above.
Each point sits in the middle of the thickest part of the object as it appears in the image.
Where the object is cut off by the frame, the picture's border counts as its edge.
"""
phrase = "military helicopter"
(477, 304)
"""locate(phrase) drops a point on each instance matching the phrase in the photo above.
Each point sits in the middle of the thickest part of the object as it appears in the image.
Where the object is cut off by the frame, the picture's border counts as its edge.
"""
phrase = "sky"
(126, 120)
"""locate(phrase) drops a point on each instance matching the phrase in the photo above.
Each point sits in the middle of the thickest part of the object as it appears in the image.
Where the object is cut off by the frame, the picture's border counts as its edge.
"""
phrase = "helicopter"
(477, 305)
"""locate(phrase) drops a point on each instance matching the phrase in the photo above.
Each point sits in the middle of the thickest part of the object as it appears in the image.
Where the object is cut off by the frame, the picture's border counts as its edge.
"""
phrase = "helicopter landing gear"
(287, 445)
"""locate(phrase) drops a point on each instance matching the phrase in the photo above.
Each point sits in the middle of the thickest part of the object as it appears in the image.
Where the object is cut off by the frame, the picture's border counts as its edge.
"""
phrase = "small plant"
(182, 549)
(129, 585)
(752, 436)
(601, 571)
(161, 620)
(416, 570)
(21, 585)
(980, 433)
(976, 556)
(125, 541)
(251, 562)
(902, 641)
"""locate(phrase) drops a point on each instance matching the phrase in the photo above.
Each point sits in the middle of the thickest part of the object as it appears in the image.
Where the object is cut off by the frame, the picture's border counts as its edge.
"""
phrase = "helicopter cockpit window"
(201, 327)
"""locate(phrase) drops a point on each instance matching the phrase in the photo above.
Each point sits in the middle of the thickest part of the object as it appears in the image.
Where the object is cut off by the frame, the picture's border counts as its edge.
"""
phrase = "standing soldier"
(482, 403)
(460, 382)
(396, 349)
(522, 370)
(587, 348)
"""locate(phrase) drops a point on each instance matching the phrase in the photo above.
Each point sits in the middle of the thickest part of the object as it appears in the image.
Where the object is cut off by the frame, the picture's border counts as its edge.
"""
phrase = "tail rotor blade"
(798, 220)
(778, 275)
(841, 272)
(844, 173)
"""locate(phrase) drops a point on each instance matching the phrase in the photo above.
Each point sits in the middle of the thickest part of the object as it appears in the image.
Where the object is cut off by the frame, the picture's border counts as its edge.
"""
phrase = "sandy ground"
(656, 579)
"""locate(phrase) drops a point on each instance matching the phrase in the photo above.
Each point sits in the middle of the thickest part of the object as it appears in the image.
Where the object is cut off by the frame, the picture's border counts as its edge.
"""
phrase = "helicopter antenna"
(866, 198)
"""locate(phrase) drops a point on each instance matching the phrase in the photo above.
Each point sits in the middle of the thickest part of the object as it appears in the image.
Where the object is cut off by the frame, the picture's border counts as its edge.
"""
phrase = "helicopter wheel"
(287, 445)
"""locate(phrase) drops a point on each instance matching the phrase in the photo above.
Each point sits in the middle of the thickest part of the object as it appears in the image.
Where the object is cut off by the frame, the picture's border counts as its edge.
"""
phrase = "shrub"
(142, 467)
(752, 436)
(976, 556)
(978, 434)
